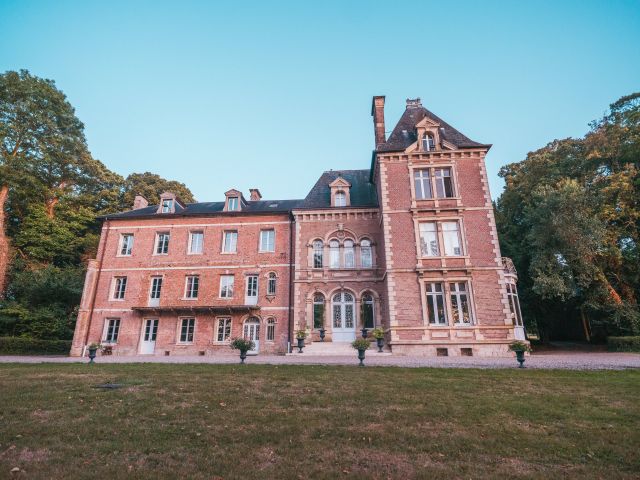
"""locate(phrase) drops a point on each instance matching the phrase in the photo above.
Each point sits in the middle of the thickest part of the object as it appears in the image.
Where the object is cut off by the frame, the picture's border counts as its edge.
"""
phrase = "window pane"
(334, 254)
(230, 242)
(444, 186)
(340, 199)
(349, 254)
(436, 312)
(271, 329)
(318, 247)
(367, 311)
(422, 183)
(429, 240)
(196, 242)
(451, 238)
(271, 284)
(156, 287)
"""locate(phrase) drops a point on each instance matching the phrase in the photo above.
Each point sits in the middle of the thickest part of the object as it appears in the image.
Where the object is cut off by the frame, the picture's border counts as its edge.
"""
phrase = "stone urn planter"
(300, 336)
(243, 345)
(93, 349)
(361, 345)
(323, 332)
(364, 333)
(520, 348)
(378, 334)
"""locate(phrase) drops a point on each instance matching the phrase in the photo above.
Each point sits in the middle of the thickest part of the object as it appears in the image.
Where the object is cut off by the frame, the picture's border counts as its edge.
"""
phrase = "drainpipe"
(95, 290)
(291, 279)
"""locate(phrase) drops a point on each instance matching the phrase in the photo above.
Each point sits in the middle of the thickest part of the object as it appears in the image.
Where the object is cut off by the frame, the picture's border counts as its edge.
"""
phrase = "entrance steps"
(334, 349)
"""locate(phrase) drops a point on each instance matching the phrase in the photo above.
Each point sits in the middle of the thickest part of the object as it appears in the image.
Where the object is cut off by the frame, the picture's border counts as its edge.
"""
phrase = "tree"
(151, 186)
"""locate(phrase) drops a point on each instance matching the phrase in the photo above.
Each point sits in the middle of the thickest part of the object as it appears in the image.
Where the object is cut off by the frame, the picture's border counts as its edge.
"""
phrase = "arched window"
(271, 284)
(366, 254)
(318, 311)
(334, 254)
(318, 248)
(367, 310)
(340, 199)
(271, 329)
(349, 254)
(428, 143)
(343, 311)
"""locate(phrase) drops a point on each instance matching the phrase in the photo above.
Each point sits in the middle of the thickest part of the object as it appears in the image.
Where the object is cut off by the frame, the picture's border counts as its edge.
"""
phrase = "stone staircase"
(334, 349)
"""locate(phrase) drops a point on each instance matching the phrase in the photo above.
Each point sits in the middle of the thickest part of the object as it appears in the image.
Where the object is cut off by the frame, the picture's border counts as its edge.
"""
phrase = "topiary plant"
(361, 344)
(519, 346)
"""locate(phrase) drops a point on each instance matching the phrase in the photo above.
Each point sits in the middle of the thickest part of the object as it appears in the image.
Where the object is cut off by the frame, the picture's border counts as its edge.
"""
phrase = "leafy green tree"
(151, 186)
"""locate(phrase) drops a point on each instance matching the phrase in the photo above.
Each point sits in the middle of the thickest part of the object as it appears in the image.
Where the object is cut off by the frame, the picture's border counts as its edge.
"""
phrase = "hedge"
(623, 344)
(33, 346)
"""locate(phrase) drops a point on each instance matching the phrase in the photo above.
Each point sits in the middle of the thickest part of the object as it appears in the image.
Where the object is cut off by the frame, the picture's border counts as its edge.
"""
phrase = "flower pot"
(361, 356)
(322, 333)
(243, 355)
(364, 333)
(520, 358)
(300, 344)
(92, 354)
(380, 343)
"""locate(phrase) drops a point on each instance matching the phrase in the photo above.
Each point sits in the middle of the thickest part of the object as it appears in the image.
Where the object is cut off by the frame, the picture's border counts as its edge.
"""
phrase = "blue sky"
(270, 94)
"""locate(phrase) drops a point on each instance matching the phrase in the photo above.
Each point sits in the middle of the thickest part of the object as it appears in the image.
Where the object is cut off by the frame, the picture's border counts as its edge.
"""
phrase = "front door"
(148, 345)
(344, 321)
(251, 297)
(252, 332)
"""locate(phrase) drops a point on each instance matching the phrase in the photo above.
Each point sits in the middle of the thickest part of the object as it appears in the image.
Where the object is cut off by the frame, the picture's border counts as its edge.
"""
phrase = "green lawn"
(224, 421)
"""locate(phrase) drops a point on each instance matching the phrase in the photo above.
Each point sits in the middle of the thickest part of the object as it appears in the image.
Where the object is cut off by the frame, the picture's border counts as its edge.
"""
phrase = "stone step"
(335, 349)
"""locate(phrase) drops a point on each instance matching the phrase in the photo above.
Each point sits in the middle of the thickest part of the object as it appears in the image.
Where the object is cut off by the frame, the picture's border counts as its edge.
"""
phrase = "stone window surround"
(340, 185)
(121, 244)
(217, 327)
(328, 309)
(105, 330)
(432, 165)
(179, 330)
(438, 221)
(326, 252)
(445, 280)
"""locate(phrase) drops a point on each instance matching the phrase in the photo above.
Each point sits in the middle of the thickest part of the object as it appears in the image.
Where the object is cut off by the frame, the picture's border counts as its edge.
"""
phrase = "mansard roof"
(362, 191)
(404, 134)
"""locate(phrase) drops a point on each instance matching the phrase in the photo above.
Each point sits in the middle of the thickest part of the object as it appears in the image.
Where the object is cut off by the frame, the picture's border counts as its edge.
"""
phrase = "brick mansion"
(408, 245)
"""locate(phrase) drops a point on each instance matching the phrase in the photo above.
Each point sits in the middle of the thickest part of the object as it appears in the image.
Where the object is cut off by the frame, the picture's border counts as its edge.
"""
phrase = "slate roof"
(362, 192)
(404, 134)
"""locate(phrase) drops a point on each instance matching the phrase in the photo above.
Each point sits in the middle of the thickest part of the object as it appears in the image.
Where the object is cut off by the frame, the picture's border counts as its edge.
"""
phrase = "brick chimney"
(377, 112)
(255, 194)
(140, 202)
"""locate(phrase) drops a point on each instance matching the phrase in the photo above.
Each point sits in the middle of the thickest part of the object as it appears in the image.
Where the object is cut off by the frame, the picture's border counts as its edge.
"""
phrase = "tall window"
(367, 310)
(230, 241)
(429, 239)
(428, 143)
(271, 284)
(167, 205)
(119, 288)
(422, 183)
(444, 185)
(334, 254)
(111, 330)
(349, 254)
(162, 243)
(436, 311)
(226, 286)
(252, 286)
(340, 199)
(196, 240)
(156, 287)
(366, 254)
(460, 309)
(343, 310)
(224, 330)
(191, 286)
(267, 240)
(126, 244)
(271, 329)
(318, 311)
(451, 238)
(318, 252)
(232, 206)
(514, 304)
(187, 328)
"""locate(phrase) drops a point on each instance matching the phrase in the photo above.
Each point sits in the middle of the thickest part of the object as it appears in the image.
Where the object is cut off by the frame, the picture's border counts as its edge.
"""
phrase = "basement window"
(442, 352)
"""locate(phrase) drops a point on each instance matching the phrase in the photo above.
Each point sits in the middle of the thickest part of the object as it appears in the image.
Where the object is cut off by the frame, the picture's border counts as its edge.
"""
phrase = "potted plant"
(93, 348)
(244, 345)
(519, 347)
(300, 336)
(378, 334)
(361, 344)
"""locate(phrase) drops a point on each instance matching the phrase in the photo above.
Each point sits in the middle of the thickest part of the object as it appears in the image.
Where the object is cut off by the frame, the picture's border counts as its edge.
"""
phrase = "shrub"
(242, 344)
(361, 344)
(377, 333)
(301, 334)
(623, 344)
(33, 346)
(519, 346)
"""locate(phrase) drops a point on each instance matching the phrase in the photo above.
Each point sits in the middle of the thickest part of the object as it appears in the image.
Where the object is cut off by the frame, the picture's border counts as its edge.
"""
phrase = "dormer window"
(428, 142)
(234, 201)
(340, 192)
(233, 204)
(340, 199)
(167, 205)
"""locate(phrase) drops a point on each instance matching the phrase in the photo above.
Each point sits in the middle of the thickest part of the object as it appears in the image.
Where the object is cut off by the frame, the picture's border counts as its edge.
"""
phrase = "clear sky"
(269, 94)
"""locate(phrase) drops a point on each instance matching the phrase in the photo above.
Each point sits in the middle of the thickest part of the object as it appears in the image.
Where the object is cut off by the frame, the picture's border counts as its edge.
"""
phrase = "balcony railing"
(508, 266)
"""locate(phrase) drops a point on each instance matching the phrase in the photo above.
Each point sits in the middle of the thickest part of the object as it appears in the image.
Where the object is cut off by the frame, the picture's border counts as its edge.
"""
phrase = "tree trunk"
(585, 325)
(4, 240)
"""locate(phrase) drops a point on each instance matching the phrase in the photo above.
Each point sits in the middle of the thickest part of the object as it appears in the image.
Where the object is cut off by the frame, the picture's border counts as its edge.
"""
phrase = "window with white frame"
(226, 286)
(428, 142)
(444, 183)
(460, 304)
(196, 241)
(271, 284)
(514, 304)
(271, 329)
(349, 254)
(111, 330)
(126, 244)
(318, 253)
(366, 254)
(167, 205)
(334, 254)
(232, 205)
(162, 243)
(367, 311)
(436, 310)
(340, 199)
(318, 311)
(156, 288)
(187, 328)
(429, 239)
(268, 240)
(191, 286)
(422, 184)
(119, 288)
(230, 241)
(451, 238)
(223, 330)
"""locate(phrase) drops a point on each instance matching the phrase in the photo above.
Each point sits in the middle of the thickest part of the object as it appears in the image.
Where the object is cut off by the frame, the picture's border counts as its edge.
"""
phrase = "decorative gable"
(340, 193)
(234, 201)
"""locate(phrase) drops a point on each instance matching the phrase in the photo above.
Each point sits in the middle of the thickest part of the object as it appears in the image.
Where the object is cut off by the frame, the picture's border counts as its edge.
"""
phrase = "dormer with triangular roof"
(234, 201)
(340, 192)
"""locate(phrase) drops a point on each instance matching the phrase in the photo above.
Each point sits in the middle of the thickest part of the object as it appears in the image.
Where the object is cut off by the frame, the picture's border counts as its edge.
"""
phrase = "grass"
(224, 421)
